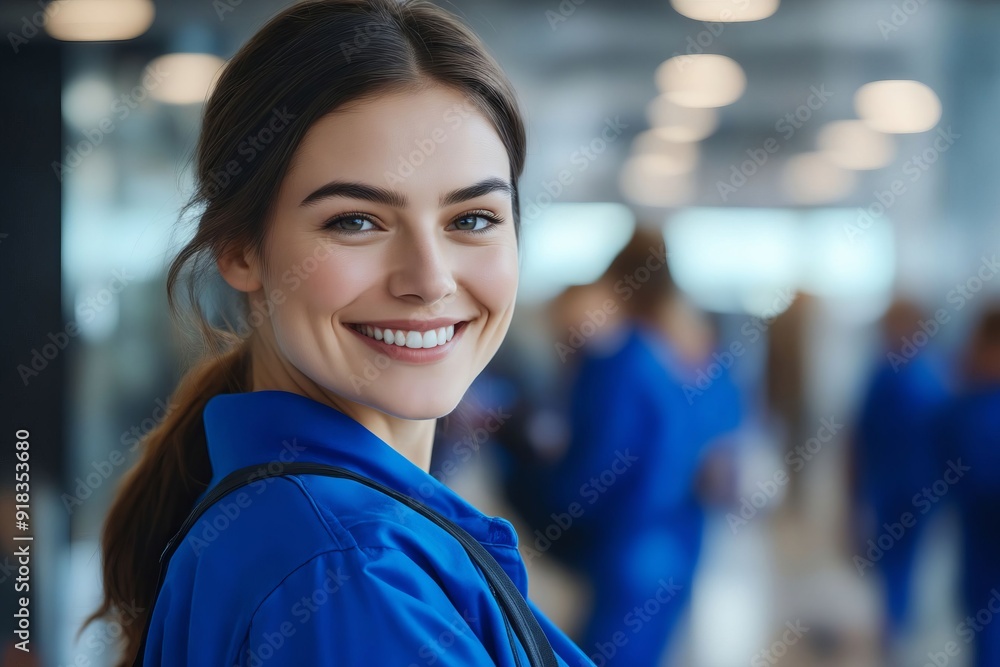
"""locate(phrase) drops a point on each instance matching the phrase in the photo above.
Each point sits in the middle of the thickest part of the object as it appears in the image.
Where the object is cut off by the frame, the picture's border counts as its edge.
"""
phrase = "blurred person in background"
(536, 436)
(894, 455)
(628, 482)
(970, 439)
(578, 320)
(785, 382)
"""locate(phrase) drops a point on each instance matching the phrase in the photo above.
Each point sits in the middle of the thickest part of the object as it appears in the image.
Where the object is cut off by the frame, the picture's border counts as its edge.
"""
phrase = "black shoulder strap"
(512, 603)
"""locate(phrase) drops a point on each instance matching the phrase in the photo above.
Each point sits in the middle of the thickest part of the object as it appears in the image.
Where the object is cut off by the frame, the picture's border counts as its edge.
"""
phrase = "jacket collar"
(272, 426)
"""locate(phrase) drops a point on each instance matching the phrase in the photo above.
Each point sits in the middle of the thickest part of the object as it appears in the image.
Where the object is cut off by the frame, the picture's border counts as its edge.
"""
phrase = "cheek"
(324, 278)
(491, 276)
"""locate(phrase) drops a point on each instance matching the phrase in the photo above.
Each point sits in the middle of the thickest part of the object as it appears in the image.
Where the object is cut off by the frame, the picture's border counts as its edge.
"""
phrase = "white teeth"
(411, 339)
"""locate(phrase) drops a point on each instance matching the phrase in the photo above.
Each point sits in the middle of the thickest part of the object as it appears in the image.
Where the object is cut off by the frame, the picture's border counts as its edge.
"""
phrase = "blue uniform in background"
(897, 457)
(313, 570)
(636, 445)
(971, 439)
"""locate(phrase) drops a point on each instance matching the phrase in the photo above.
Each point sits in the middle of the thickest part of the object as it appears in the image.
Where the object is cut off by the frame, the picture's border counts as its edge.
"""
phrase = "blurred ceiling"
(576, 65)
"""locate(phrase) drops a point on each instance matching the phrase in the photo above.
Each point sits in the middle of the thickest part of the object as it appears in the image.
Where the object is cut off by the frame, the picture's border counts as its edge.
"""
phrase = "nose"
(422, 271)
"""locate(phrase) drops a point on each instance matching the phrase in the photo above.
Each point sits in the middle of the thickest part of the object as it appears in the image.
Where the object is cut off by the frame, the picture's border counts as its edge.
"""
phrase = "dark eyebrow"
(481, 188)
(389, 198)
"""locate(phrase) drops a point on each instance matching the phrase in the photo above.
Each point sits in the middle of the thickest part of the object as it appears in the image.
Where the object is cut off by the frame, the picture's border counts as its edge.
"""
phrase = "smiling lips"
(408, 337)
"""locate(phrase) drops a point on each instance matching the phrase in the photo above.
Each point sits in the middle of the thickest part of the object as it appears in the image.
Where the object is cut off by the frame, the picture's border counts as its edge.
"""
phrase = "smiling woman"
(438, 250)
(370, 240)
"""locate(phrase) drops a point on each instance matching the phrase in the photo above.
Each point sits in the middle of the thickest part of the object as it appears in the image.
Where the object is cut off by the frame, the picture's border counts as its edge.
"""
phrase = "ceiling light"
(852, 144)
(701, 80)
(652, 180)
(811, 178)
(185, 78)
(98, 20)
(725, 11)
(676, 157)
(676, 123)
(898, 106)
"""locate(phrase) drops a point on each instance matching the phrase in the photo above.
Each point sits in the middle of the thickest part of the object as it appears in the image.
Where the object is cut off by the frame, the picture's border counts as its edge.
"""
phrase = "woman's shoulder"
(246, 542)
(260, 533)
(291, 559)
(370, 520)
(292, 517)
(379, 560)
(340, 607)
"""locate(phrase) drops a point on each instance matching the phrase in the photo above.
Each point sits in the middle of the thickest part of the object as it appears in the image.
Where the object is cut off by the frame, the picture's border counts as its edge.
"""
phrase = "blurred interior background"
(808, 165)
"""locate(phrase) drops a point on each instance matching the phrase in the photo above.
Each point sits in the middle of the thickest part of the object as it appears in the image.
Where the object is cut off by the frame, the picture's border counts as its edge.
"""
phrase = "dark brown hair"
(632, 263)
(304, 63)
(982, 353)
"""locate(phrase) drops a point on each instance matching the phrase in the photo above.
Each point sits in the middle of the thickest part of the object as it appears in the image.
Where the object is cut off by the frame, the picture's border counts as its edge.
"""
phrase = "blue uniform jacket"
(970, 430)
(309, 570)
(628, 406)
(897, 455)
(635, 448)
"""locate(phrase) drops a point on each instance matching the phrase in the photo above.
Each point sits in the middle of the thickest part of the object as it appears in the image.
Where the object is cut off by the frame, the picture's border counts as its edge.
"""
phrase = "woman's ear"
(238, 267)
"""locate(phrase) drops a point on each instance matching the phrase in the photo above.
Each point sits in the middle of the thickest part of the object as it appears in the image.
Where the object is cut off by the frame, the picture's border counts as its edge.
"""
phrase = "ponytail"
(158, 493)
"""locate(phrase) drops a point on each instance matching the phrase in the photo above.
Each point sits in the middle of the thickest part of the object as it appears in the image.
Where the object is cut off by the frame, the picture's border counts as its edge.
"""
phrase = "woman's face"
(395, 216)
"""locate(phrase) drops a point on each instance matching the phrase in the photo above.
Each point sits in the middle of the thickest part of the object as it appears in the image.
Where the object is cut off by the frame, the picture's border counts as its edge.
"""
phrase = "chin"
(416, 393)
(417, 408)
(403, 398)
